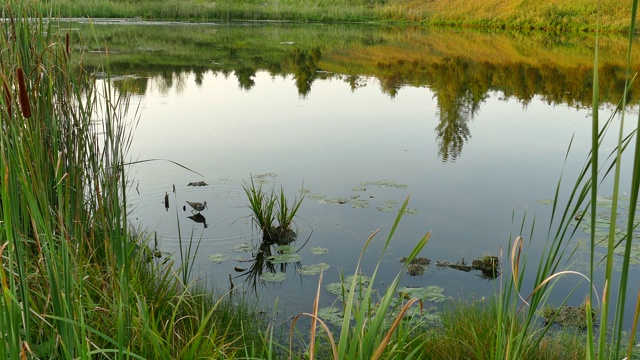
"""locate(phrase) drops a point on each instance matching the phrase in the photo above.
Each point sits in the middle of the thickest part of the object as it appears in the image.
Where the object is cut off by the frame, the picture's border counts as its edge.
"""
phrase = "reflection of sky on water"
(331, 141)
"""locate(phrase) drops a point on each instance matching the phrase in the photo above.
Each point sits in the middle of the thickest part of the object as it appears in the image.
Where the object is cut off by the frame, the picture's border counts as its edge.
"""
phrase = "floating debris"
(416, 261)
(197, 183)
(416, 270)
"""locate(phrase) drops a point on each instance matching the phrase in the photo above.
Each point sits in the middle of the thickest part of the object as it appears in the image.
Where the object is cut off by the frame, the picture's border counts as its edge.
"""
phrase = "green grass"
(273, 212)
(558, 15)
(75, 283)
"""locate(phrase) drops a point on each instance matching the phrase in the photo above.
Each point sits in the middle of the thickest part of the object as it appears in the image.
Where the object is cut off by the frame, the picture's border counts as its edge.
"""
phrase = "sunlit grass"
(559, 15)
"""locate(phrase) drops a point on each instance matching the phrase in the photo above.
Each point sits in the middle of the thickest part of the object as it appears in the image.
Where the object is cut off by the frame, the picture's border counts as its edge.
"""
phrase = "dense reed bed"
(76, 281)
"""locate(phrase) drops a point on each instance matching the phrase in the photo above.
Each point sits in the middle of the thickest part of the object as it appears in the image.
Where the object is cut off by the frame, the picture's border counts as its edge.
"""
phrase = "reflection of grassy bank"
(556, 67)
(559, 15)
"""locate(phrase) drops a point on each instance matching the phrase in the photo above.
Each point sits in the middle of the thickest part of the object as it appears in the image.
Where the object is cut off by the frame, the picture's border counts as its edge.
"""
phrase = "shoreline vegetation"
(77, 283)
(557, 16)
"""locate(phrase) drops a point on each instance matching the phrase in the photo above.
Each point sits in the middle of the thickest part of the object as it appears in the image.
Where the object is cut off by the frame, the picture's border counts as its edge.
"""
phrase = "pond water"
(472, 127)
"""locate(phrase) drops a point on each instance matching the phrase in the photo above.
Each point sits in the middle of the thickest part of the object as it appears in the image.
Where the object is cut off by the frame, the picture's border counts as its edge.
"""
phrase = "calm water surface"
(474, 131)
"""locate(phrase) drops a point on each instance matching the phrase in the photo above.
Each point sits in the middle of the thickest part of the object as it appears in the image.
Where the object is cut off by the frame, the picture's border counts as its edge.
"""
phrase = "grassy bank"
(76, 282)
(558, 15)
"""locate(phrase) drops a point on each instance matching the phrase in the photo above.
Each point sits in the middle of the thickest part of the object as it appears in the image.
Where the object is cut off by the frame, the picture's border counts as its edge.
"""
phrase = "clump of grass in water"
(269, 208)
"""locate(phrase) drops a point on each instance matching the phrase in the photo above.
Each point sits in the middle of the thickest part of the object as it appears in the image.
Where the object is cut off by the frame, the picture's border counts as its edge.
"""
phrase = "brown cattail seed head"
(24, 96)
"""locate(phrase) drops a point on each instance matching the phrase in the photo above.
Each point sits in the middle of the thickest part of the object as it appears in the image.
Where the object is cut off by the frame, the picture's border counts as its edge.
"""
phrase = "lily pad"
(336, 288)
(388, 206)
(336, 200)
(360, 203)
(544, 201)
(284, 258)
(332, 314)
(286, 249)
(385, 183)
(430, 293)
(359, 188)
(313, 269)
(217, 258)
(319, 251)
(273, 277)
(317, 196)
(243, 247)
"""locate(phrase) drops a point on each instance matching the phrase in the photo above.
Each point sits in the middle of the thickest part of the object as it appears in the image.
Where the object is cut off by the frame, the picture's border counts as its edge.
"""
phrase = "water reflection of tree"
(304, 66)
(459, 97)
(245, 76)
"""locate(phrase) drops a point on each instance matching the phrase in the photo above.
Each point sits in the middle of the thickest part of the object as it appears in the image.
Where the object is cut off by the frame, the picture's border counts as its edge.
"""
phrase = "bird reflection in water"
(198, 218)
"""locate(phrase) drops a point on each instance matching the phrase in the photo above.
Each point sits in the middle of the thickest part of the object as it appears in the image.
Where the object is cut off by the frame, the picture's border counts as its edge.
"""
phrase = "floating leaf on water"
(386, 183)
(313, 269)
(217, 258)
(331, 314)
(240, 258)
(388, 205)
(262, 176)
(359, 188)
(284, 258)
(319, 250)
(360, 203)
(273, 277)
(286, 249)
(336, 288)
(317, 196)
(410, 211)
(544, 201)
(336, 200)
(430, 293)
(243, 247)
